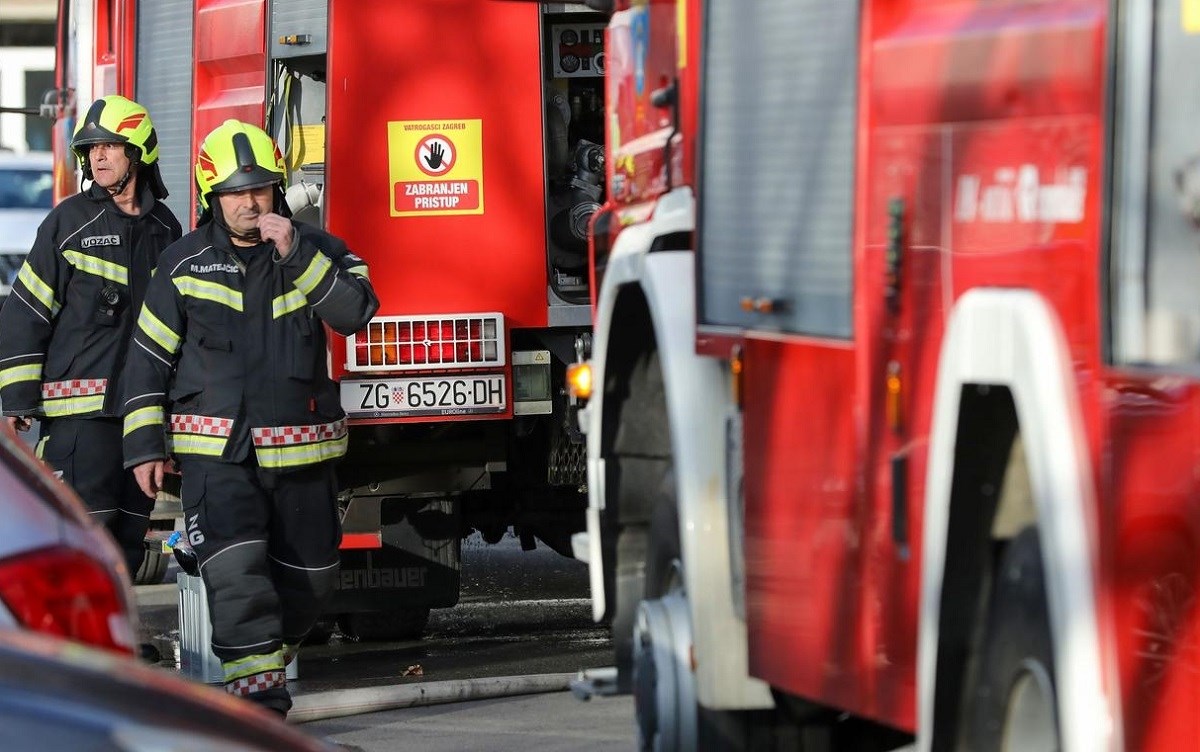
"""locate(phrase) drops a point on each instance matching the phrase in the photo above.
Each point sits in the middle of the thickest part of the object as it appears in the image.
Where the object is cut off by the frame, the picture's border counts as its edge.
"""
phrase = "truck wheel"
(1012, 706)
(385, 626)
(652, 630)
(154, 562)
(630, 588)
(664, 685)
(641, 455)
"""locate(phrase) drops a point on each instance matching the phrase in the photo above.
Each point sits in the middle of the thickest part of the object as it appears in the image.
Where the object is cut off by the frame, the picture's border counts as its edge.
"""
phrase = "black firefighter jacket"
(66, 325)
(229, 352)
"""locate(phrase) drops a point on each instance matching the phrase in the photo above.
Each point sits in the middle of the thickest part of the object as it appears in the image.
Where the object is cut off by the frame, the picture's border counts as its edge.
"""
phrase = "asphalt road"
(547, 723)
(525, 615)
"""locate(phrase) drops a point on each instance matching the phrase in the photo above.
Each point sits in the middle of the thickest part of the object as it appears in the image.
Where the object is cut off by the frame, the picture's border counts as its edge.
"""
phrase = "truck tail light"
(64, 592)
(421, 342)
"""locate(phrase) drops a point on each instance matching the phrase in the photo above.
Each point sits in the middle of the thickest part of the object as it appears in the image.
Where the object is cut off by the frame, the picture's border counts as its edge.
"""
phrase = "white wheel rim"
(1030, 723)
(663, 635)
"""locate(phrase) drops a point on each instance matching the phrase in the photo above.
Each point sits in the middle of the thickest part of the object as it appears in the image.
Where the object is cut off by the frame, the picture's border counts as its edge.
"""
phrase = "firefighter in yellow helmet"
(67, 324)
(117, 124)
(228, 376)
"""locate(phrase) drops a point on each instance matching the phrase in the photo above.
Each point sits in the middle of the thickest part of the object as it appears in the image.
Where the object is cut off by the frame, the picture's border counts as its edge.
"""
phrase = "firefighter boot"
(246, 624)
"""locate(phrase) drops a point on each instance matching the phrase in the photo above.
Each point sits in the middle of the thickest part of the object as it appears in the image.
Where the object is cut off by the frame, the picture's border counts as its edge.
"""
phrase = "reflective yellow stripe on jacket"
(296, 446)
(142, 417)
(285, 304)
(98, 266)
(61, 398)
(155, 329)
(199, 434)
(211, 291)
(17, 374)
(312, 276)
(40, 290)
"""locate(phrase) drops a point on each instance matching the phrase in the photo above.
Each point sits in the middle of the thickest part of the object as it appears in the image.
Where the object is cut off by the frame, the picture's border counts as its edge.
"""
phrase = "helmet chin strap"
(253, 236)
(117, 188)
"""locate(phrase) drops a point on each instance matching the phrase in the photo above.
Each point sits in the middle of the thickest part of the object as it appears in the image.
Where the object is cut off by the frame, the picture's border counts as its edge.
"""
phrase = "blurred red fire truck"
(896, 416)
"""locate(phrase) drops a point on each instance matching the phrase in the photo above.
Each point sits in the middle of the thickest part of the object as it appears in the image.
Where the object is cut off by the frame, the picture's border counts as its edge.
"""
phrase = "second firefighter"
(228, 375)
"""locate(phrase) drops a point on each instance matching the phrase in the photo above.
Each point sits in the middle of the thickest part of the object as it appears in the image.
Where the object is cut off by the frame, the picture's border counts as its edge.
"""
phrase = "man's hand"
(19, 422)
(149, 477)
(278, 230)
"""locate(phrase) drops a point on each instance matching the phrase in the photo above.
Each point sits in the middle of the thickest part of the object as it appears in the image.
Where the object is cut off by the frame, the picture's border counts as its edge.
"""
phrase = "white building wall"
(27, 10)
(14, 63)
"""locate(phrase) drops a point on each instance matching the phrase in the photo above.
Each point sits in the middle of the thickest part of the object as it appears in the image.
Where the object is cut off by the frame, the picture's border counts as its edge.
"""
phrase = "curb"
(338, 703)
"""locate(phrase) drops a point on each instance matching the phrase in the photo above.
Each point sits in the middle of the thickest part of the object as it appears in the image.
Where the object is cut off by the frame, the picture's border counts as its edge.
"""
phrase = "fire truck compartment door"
(434, 162)
(777, 198)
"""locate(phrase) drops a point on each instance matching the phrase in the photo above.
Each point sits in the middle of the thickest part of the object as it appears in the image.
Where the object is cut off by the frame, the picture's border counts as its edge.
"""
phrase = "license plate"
(462, 395)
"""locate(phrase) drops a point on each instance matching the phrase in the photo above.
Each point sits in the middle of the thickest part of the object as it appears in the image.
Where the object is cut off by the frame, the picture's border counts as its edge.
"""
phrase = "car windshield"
(29, 188)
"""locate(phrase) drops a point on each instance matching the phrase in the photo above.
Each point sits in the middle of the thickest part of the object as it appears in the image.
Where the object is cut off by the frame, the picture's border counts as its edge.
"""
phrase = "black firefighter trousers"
(87, 453)
(267, 545)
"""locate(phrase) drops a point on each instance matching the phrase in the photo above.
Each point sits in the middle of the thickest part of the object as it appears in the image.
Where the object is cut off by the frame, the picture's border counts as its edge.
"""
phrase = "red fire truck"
(895, 430)
(457, 146)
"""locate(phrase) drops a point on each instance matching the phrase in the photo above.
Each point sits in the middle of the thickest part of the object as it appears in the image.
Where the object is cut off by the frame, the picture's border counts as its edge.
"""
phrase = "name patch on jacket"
(94, 240)
(210, 268)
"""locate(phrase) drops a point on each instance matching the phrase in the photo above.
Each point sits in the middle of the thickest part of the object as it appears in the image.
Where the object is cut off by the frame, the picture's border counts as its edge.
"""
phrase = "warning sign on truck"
(436, 167)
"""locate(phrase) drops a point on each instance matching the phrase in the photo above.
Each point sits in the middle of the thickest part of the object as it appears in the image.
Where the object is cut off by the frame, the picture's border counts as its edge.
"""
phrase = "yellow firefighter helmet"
(237, 156)
(116, 120)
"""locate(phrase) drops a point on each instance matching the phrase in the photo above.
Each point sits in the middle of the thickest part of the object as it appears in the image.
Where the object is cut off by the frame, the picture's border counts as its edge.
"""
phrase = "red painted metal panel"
(961, 97)
(905, 165)
(114, 47)
(988, 120)
(467, 71)
(64, 159)
(104, 50)
(1151, 493)
(960, 61)
(127, 62)
(642, 58)
(803, 578)
(649, 47)
(231, 65)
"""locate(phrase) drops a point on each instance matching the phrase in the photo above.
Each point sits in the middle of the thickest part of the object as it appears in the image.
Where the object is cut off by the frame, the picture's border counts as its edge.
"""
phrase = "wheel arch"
(1004, 354)
(622, 306)
(648, 299)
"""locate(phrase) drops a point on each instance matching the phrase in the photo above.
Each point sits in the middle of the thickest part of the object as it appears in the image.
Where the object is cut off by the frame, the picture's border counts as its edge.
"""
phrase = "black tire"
(1012, 703)
(723, 731)
(385, 626)
(630, 589)
(642, 457)
(662, 554)
(717, 730)
(154, 562)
